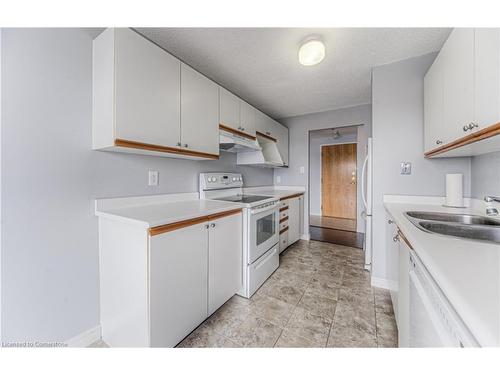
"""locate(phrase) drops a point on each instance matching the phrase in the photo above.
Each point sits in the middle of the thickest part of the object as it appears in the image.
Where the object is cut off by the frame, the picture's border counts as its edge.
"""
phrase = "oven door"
(264, 232)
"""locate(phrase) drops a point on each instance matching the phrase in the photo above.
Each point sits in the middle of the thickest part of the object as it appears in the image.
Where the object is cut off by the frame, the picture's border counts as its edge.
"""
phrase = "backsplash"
(485, 178)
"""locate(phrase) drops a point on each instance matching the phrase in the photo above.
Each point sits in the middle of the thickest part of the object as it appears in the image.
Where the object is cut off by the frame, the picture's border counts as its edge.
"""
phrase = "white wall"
(397, 103)
(299, 128)
(485, 175)
(50, 178)
(315, 144)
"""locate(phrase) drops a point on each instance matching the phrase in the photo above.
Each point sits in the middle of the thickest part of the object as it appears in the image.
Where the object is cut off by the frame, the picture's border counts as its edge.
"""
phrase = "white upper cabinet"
(433, 106)
(229, 109)
(147, 91)
(486, 78)
(136, 88)
(462, 95)
(137, 100)
(236, 113)
(247, 118)
(199, 112)
(282, 141)
(458, 83)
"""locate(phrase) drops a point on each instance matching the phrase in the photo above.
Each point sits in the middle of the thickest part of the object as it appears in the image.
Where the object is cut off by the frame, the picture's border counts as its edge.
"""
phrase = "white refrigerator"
(367, 195)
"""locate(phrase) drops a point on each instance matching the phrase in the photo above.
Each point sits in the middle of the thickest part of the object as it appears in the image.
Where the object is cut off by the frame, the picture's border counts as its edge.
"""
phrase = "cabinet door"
(225, 260)
(147, 91)
(282, 141)
(486, 77)
(261, 122)
(433, 106)
(293, 220)
(404, 295)
(229, 109)
(199, 112)
(247, 118)
(392, 251)
(458, 83)
(178, 283)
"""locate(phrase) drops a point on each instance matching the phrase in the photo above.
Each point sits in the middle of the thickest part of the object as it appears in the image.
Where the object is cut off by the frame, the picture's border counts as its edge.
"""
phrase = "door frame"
(321, 182)
(308, 213)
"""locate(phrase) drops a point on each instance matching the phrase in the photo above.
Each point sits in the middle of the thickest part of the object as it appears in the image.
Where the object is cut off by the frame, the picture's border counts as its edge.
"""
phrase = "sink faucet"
(491, 211)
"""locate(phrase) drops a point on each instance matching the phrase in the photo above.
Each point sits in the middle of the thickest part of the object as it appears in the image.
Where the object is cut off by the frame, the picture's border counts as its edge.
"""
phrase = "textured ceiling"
(260, 64)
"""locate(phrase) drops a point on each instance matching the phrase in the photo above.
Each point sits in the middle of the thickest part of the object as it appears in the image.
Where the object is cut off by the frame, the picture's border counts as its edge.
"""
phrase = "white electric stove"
(260, 226)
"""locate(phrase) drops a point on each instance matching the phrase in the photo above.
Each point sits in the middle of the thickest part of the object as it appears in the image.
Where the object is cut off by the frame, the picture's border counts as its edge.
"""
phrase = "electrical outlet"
(153, 178)
(405, 167)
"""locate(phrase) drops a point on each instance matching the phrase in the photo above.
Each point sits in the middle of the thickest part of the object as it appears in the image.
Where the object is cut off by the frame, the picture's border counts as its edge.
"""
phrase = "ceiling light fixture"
(311, 52)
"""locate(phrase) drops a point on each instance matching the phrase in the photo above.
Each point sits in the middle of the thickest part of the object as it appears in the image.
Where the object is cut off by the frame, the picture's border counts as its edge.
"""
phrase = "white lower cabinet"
(225, 259)
(403, 319)
(293, 220)
(392, 251)
(157, 287)
(291, 228)
(178, 272)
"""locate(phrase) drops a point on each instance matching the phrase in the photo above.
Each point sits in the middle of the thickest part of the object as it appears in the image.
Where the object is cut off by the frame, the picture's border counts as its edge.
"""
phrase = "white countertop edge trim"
(104, 204)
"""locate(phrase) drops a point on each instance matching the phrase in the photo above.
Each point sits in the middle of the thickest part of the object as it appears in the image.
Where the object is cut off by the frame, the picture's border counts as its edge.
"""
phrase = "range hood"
(267, 156)
(233, 143)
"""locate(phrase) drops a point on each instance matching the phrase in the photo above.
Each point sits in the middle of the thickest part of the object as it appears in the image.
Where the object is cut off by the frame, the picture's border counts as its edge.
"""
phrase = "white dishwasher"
(433, 321)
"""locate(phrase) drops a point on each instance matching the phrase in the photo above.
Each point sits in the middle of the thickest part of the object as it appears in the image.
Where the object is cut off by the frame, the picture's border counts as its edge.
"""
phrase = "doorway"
(333, 181)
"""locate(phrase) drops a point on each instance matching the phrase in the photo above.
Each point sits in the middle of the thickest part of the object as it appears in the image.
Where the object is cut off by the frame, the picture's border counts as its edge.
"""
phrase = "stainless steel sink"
(453, 218)
(473, 232)
(472, 227)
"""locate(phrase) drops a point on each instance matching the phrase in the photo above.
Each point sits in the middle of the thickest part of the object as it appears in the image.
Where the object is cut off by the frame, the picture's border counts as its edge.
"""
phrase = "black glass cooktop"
(244, 198)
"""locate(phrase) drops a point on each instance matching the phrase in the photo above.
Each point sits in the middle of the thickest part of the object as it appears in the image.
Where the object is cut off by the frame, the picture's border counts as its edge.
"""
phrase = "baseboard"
(305, 237)
(378, 282)
(86, 338)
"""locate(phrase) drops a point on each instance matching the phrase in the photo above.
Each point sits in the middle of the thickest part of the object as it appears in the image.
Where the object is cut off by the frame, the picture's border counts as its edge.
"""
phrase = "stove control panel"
(212, 181)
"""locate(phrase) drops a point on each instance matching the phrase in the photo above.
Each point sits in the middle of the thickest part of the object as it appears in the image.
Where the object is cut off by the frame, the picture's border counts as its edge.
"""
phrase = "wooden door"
(338, 181)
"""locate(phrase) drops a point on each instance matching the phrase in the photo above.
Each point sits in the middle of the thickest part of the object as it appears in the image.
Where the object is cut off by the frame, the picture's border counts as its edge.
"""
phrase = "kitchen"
(189, 195)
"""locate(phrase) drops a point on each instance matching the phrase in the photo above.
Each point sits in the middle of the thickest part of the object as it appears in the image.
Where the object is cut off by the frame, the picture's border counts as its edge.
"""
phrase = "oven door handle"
(261, 210)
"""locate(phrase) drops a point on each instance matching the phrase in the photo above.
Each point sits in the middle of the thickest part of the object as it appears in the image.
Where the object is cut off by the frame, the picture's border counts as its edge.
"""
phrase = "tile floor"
(320, 296)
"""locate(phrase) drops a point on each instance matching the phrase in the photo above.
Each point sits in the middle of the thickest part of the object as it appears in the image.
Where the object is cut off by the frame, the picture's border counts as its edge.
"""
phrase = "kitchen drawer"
(283, 214)
(283, 241)
(259, 271)
(283, 225)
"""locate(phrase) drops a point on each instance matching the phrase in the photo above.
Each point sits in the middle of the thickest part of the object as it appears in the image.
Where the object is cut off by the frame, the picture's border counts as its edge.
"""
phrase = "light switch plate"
(278, 179)
(153, 178)
(302, 170)
(405, 167)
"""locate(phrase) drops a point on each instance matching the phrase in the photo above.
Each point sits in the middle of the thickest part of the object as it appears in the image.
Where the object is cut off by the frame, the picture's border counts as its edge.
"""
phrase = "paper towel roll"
(454, 190)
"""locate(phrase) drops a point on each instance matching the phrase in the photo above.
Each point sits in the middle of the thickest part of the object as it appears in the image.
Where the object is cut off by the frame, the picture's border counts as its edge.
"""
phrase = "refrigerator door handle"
(363, 184)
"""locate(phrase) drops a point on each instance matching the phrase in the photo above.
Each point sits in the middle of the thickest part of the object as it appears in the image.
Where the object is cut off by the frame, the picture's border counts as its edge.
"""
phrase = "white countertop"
(154, 214)
(466, 271)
